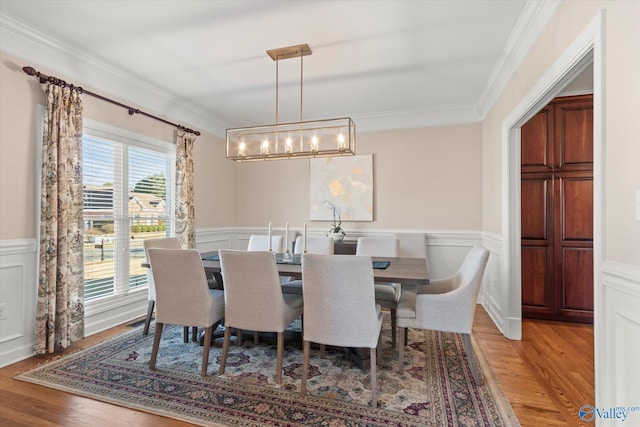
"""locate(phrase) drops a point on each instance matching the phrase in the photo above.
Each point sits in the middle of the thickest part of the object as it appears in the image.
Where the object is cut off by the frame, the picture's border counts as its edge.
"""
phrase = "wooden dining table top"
(410, 271)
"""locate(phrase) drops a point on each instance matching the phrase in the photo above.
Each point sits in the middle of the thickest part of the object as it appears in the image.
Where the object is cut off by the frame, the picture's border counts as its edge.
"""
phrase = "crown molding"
(28, 44)
(417, 118)
(532, 22)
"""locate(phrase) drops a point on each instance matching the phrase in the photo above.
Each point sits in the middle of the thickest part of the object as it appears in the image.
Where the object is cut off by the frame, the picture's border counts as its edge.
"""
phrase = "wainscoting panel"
(493, 291)
(618, 349)
(18, 279)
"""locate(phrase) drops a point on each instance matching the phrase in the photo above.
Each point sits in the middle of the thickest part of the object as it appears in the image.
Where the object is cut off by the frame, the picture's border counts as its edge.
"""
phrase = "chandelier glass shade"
(293, 140)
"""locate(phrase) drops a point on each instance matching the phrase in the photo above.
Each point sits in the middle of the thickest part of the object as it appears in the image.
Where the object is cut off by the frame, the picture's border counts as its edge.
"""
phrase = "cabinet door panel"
(577, 280)
(535, 142)
(536, 293)
(574, 133)
(576, 206)
(535, 197)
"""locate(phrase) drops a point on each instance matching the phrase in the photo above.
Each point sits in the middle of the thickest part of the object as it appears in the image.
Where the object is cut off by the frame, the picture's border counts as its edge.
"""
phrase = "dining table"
(408, 271)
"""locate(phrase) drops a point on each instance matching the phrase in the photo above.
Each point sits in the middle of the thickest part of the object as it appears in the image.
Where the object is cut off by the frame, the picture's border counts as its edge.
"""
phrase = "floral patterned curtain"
(185, 210)
(60, 305)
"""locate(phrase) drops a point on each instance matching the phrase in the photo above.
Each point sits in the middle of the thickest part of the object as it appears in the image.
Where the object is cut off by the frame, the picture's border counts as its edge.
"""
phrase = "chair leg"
(279, 357)
(186, 334)
(406, 336)
(225, 349)
(379, 353)
(239, 337)
(374, 393)
(401, 352)
(305, 367)
(205, 351)
(393, 327)
(194, 333)
(147, 321)
(322, 351)
(256, 338)
(468, 348)
(156, 344)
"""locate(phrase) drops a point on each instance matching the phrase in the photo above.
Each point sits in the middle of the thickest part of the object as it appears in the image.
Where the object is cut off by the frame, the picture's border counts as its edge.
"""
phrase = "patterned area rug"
(436, 389)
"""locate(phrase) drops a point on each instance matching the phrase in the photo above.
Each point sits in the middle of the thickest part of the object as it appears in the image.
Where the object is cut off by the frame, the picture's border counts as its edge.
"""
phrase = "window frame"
(110, 310)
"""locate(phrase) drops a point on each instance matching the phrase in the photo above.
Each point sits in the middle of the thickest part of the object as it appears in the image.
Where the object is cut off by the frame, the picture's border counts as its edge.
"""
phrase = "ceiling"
(386, 64)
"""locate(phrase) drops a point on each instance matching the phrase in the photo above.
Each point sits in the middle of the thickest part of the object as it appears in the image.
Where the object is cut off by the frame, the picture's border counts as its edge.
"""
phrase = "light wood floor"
(547, 376)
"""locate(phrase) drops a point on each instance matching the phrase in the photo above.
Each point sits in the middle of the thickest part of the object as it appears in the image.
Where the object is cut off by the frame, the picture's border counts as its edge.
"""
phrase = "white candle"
(269, 235)
(286, 237)
(305, 237)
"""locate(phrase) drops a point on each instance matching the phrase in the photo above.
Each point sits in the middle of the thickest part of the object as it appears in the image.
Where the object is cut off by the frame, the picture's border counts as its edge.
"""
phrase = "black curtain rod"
(56, 81)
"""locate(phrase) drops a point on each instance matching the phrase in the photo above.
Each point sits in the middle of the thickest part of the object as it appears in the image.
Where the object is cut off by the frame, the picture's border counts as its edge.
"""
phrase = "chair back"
(339, 301)
(464, 289)
(378, 246)
(182, 292)
(315, 245)
(252, 293)
(413, 245)
(261, 243)
(164, 243)
(471, 270)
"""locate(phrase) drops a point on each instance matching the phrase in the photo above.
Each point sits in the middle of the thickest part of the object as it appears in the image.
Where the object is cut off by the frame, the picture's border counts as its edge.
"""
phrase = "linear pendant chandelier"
(292, 140)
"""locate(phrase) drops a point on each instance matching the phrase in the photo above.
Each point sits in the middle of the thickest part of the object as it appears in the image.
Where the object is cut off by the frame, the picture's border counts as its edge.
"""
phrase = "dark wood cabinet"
(557, 211)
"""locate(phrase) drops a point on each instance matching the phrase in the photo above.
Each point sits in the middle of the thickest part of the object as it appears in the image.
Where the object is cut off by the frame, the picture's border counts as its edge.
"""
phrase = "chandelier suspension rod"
(301, 59)
(56, 81)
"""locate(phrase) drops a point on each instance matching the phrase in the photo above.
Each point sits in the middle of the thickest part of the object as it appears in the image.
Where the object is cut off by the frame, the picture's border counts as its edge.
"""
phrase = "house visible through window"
(128, 193)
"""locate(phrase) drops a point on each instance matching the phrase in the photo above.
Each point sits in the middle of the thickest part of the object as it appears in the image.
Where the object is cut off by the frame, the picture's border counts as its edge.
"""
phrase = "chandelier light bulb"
(314, 143)
(341, 145)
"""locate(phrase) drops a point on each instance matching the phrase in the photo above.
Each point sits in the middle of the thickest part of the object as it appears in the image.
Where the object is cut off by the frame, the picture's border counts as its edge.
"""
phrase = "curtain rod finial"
(30, 71)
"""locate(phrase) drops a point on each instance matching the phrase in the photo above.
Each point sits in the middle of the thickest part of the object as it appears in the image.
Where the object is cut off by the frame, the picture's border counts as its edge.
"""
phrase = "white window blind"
(128, 197)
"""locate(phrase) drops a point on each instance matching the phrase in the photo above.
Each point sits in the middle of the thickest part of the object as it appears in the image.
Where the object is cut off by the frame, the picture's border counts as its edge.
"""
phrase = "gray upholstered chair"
(321, 245)
(412, 245)
(261, 243)
(254, 300)
(183, 297)
(387, 294)
(165, 243)
(340, 308)
(446, 305)
(315, 245)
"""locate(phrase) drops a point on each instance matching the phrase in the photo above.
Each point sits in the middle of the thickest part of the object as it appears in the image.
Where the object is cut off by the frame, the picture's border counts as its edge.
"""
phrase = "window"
(128, 183)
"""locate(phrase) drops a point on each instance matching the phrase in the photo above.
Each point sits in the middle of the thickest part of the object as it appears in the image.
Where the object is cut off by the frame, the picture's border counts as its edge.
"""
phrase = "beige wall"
(424, 179)
(21, 93)
(622, 109)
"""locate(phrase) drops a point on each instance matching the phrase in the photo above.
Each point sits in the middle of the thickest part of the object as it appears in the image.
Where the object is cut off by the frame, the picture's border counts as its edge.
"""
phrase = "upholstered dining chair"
(387, 294)
(340, 308)
(183, 297)
(164, 243)
(321, 245)
(261, 243)
(254, 300)
(446, 305)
